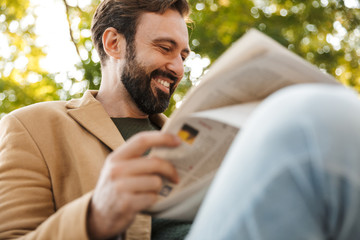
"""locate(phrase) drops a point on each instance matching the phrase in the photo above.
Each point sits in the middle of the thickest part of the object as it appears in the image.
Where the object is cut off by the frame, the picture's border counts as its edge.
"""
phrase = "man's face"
(154, 61)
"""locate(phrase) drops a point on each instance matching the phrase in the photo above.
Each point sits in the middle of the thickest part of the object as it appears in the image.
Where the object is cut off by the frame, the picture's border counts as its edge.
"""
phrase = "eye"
(184, 57)
(166, 49)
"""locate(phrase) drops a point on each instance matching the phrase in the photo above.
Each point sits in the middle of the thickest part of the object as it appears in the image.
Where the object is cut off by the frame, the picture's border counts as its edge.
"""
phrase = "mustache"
(165, 74)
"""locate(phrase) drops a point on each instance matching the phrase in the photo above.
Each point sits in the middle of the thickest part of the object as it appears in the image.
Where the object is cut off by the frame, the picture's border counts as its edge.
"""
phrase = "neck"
(119, 105)
(115, 98)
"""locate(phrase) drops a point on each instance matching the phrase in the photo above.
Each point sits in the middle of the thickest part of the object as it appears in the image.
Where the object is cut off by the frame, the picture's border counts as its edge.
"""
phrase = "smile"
(164, 83)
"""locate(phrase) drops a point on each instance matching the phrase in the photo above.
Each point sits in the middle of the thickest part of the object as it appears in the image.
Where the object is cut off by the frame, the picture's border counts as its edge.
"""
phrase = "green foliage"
(80, 33)
(326, 33)
(22, 81)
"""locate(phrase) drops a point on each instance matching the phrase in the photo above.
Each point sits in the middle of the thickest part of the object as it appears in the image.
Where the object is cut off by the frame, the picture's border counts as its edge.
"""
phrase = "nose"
(176, 66)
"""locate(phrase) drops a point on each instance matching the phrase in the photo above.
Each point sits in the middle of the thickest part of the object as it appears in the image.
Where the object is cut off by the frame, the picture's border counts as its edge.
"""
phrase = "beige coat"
(51, 155)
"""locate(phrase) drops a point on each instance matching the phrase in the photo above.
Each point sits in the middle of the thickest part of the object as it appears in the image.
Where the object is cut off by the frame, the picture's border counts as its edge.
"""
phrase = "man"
(52, 155)
(292, 176)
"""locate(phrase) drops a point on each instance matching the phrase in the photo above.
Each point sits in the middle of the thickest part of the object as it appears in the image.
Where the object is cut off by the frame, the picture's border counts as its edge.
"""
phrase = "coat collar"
(91, 115)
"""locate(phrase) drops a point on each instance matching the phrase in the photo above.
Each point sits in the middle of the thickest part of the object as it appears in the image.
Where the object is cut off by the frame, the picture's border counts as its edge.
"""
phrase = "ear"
(114, 43)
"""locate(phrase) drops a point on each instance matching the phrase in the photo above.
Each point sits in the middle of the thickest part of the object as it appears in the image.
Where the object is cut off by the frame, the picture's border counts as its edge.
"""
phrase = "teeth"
(164, 83)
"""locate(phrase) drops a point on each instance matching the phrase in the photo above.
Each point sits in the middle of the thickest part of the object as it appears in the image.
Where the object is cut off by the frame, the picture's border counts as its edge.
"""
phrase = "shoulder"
(37, 114)
(43, 108)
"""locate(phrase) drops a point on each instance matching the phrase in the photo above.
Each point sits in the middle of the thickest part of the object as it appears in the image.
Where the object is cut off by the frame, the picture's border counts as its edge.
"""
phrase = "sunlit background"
(46, 51)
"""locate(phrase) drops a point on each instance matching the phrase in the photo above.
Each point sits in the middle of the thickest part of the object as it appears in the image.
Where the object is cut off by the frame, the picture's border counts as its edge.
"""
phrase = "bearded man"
(65, 169)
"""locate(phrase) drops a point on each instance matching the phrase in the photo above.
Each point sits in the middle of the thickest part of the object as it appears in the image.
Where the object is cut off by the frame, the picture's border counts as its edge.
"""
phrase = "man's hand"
(129, 183)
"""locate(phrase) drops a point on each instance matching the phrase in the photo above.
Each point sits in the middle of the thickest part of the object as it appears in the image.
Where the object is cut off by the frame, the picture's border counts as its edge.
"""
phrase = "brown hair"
(123, 15)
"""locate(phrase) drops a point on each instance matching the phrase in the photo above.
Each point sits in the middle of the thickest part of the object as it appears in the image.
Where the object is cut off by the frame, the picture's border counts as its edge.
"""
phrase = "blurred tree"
(325, 32)
(79, 19)
(22, 81)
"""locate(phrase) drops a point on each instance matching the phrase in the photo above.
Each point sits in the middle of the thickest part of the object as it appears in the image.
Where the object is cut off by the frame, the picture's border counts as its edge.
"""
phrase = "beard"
(137, 81)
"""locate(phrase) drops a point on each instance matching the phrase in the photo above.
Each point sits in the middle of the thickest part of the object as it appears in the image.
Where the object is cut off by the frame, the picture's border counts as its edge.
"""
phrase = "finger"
(146, 166)
(137, 185)
(137, 145)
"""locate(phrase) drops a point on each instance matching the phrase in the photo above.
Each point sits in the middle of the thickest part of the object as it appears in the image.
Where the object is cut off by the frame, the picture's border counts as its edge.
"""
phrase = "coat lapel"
(90, 114)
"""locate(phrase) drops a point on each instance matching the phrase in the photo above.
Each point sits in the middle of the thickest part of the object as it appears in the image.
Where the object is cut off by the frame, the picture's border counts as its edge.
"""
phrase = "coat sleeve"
(27, 208)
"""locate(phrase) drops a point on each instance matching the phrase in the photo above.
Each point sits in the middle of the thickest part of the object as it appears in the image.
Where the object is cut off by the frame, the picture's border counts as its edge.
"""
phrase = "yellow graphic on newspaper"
(188, 134)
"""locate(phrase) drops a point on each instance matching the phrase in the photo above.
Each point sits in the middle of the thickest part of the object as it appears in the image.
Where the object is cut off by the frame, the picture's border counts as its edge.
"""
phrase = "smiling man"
(140, 74)
(66, 171)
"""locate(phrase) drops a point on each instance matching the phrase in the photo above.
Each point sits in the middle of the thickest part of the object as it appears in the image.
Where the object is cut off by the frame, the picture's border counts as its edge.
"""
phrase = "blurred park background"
(46, 51)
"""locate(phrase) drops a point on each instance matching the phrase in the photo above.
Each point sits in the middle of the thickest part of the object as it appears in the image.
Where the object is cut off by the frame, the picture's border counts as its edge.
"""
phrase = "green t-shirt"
(162, 229)
(130, 126)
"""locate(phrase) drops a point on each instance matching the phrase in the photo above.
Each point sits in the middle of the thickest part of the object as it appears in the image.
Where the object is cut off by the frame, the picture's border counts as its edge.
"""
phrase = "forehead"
(169, 25)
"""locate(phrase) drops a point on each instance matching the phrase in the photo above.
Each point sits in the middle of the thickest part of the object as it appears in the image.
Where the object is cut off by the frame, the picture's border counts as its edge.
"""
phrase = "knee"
(321, 103)
(319, 110)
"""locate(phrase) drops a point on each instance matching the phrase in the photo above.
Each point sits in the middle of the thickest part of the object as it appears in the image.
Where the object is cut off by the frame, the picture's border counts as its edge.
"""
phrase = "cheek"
(149, 67)
(151, 60)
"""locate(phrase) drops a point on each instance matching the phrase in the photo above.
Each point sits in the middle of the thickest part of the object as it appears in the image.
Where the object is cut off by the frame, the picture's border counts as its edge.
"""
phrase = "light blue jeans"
(292, 174)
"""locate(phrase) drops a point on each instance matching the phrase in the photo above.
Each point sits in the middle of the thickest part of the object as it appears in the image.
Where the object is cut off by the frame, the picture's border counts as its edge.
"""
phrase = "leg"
(292, 173)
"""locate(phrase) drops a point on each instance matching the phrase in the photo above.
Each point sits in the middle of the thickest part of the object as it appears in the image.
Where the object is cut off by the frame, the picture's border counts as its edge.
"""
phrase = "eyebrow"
(172, 42)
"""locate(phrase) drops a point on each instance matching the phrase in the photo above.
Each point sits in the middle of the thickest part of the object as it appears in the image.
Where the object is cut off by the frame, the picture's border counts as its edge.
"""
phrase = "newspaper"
(216, 110)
